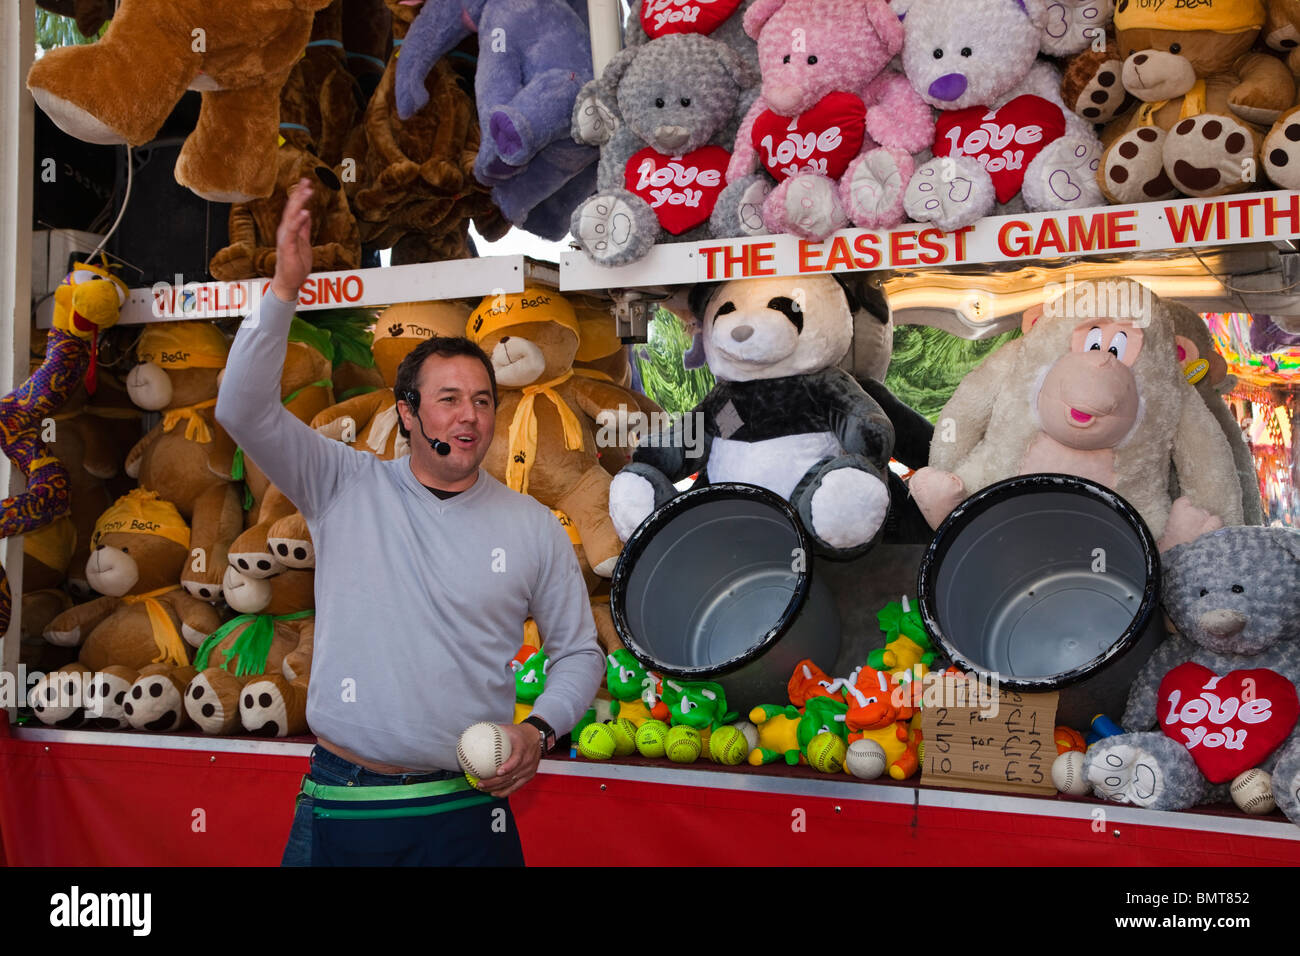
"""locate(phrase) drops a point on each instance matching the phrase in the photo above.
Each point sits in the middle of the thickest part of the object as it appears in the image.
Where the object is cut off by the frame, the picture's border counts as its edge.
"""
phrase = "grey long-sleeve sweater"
(420, 602)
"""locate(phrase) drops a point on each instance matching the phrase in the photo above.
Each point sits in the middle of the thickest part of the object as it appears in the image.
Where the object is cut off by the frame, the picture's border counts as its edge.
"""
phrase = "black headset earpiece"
(413, 399)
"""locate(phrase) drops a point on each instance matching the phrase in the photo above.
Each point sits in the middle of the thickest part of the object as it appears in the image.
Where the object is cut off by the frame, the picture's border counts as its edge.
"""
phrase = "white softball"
(1068, 775)
(750, 732)
(483, 748)
(1252, 791)
(865, 759)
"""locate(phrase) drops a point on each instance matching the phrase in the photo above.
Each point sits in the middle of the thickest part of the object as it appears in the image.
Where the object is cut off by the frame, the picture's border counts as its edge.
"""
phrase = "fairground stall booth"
(933, 376)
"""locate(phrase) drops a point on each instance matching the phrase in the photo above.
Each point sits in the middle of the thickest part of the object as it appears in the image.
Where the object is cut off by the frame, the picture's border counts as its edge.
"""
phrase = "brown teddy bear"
(318, 107)
(1206, 100)
(122, 88)
(276, 535)
(369, 422)
(272, 634)
(544, 443)
(1281, 150)
(144, 623)
(177, 375)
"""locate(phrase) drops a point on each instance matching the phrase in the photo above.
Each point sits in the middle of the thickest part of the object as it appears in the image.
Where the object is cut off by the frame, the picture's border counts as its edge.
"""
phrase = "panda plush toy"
(782, 415)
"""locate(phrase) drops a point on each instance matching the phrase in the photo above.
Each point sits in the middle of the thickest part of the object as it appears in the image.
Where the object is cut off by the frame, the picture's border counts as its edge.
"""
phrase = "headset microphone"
(439, 446)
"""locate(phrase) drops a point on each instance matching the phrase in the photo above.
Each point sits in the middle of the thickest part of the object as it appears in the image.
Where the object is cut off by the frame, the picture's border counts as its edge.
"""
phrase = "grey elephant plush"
(662, 170)
(1234, 597)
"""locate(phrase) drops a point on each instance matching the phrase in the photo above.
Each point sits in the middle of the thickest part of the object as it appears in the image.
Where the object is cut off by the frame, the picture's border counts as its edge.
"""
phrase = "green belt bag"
(406, 800)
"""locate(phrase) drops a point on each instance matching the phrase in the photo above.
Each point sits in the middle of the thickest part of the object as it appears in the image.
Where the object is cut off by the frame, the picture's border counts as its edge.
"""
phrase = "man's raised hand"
(293, 243)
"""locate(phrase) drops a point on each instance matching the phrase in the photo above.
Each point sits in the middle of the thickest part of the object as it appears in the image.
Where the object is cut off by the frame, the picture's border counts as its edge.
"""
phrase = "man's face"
(456, 406)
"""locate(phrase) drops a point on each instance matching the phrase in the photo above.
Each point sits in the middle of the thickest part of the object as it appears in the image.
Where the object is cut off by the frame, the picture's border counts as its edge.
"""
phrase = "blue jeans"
(482, 835)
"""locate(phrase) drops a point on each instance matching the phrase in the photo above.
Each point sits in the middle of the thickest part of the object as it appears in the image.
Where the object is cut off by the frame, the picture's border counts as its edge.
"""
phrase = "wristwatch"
(547, 733)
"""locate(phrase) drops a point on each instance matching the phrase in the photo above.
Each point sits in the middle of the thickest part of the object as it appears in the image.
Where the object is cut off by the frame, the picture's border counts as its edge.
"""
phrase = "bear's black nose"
(742, 332)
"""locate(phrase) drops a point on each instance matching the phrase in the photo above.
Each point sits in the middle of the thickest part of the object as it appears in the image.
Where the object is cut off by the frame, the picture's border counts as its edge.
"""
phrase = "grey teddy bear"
(1234, 597)
(677, 99)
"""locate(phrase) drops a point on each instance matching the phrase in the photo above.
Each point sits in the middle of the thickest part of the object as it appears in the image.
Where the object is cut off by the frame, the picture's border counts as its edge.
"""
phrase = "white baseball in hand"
(483, 748)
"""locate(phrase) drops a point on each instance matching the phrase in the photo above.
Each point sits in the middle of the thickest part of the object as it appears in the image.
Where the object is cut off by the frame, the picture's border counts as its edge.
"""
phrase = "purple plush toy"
(534, 57)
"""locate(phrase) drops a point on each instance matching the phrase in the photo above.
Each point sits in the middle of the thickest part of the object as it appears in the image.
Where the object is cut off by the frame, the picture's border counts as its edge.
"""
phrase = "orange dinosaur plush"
(122, 88)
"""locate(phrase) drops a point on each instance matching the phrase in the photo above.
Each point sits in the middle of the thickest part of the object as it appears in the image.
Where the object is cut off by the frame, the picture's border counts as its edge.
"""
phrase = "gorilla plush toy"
(782, 415)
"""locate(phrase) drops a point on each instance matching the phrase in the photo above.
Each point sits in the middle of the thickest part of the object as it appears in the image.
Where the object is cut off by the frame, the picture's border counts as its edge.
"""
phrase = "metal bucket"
(718, 585)
(1051, 582)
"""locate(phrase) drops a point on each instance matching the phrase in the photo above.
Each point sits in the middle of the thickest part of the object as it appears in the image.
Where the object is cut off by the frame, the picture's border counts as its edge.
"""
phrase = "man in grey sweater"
(426, 568)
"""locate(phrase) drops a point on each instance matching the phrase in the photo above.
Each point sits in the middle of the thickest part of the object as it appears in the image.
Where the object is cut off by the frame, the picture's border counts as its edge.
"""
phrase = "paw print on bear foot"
(1281, 152)
(876, 190)
(153, 704)
(812, 209)
(1126, 774)
(1069, 166)
(750, 210)
(944, 192)
(1103, 95)
(1133, 168)
(1072, 24)
(1205, 155)
(605, 227)
(262, 709)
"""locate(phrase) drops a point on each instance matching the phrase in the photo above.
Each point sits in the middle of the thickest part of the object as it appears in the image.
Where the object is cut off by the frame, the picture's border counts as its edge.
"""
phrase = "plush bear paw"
(1064, 175)
(258, 564)
(58, 698)
(1101, 97)
(1207, 155)
(1186, 523)
(631, 501)
(290, 541)
(1286, 782)
(609, 231)
(71, 637)
(806, 205)
(74, 120)
(106, 700)
(1072, 24)
(267, 710)
(848, 507)
(512, 135)
(872, 188)
(1133, 167)
(154, 703)
(1281, 151)
(1125, 773)
(211, 701)
(949, 191)
(206, 591)
(749, 209)
(593, 121)
(936, 493)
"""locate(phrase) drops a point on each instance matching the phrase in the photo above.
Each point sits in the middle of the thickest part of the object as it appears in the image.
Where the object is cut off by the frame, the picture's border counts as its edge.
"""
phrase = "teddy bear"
(524, 92)
(782, 415)
(370, 422)
(144, 622)
(662, 171)
(834, 127)
(272, 634)
(317, 109)
(275, 535)
(545, 443)
(1095, 388)
(1221, 690)
(1004, 138)
(1280, 152)
(414, 189)
(122, 88)
(1206, 101)
(177, 375)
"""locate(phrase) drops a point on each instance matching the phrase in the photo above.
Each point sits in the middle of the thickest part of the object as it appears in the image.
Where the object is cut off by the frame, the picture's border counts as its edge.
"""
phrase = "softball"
(1253, 792)
(624, 732)
(1068, 775)
(482, 749)
(727, 745)
(650, 738)
(596, 742)
(683, 745)
(826, 752)
(865, 759)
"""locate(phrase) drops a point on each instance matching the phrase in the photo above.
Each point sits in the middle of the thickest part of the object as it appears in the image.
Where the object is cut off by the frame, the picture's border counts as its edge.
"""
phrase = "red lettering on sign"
(1093, 238)
(808, 251)
(1118, 222)
(353, 288)
(761, 261)
(931, 240)
(1019, 245)
(1272, 214)
(1189, 219)
(867, 243)
(899, 244)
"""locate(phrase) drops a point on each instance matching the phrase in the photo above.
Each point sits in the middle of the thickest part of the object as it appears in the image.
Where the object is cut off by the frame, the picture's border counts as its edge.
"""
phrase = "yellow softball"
(683, 745)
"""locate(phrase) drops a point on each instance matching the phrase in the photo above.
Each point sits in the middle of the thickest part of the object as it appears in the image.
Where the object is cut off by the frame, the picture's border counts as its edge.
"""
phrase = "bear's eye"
(686, 101)
(126, 550)
(786, 58)
(812, 60)
(1176, 48)
(1237, 589)
(660, 102)
(725, 308)
(965, 51)
(1204, 592)
(938, 54)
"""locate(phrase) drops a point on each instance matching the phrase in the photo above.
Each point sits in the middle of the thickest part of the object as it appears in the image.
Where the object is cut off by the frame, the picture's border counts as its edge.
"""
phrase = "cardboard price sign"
(1003, 743)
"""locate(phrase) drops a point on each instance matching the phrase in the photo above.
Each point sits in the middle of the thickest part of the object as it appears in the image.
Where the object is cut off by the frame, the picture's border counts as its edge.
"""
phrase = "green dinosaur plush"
(906, 643)
(635, 690)
(530, 681)
(698, 704)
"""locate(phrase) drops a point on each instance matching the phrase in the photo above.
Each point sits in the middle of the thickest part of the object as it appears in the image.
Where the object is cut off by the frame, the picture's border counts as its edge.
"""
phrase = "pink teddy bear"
(833, 128)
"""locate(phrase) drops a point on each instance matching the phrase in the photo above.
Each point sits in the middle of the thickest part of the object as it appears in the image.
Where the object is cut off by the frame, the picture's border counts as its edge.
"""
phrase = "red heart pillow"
(823, 139)
(661, 17)
(1004, 140)
(1228, 724)
(682, 190)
